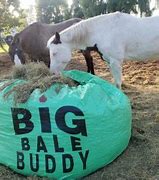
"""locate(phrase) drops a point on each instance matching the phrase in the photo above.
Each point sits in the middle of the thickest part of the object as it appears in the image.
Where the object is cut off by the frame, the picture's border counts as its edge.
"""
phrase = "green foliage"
(128, 6)
(144, 6)
(96, 7)
(76, 9)
(8, 11)
(5, 13)
(51, 10)
(56, 11)
(93, 7)
(122, 6)
(67, 14)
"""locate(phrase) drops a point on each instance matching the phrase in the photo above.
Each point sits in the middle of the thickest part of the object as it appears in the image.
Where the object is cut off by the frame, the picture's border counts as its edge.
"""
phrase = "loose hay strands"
(6, 84)
(36, 75)
(21, 92)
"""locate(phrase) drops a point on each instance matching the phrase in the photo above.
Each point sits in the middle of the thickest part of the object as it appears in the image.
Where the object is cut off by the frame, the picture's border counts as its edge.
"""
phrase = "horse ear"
(9, 40)
(56, 39)
(57, 36)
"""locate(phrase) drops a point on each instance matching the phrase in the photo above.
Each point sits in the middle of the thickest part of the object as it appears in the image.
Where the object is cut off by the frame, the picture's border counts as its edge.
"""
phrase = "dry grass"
(140, 161)
(36, 75)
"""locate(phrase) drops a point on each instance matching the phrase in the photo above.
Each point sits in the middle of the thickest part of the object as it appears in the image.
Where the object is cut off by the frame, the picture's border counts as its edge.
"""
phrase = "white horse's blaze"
(17, 61)
(118, 37)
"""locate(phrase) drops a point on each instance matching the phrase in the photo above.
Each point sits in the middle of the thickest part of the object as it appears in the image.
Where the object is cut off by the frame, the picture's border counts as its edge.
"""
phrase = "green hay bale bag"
(67, 134)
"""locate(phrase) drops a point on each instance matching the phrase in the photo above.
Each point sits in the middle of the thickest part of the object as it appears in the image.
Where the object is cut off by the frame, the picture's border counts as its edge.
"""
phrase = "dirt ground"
(140, 161)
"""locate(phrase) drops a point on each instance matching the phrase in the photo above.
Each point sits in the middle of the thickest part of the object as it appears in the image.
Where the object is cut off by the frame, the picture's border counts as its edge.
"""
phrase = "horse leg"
(116, 70)
(89, 61)
(22, 56)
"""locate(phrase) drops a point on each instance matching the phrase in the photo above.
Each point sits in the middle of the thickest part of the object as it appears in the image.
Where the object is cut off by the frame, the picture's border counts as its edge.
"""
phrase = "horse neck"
(76, 36)
(60, 26)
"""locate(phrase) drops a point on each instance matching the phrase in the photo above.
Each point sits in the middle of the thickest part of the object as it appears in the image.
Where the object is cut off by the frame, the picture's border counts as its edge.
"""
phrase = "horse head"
(9, 39)
(60, 54)
(15, 53)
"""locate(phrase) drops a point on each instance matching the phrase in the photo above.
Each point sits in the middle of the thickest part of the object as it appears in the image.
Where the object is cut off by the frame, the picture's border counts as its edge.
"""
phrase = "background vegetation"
(49, 11)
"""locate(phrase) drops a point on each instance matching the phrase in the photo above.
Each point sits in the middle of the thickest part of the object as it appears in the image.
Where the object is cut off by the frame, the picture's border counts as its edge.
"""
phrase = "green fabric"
(83, 128)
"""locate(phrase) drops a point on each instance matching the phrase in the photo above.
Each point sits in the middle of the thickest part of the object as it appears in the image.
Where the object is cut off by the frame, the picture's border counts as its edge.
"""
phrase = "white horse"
(117, 36)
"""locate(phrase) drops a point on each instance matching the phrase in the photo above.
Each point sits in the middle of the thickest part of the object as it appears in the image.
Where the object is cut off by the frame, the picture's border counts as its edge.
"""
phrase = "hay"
(30, 71)
(36, 75)
(8, 83)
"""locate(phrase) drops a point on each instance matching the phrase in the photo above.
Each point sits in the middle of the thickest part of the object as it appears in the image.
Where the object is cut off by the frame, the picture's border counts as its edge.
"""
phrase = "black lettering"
(41, 145)
(61, 123)
(36, 163)
(76, 145)
(20, 160)
(67, 168)
(45, 120)
(56, 144)
(52, 167)
(84, 158)
(25, 120)
(25, 144)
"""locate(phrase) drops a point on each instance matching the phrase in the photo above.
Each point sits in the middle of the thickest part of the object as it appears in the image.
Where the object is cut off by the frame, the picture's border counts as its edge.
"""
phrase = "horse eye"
(54, 54)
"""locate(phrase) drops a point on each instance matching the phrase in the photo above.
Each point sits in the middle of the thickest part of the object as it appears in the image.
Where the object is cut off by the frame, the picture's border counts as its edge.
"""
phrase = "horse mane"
(78, 33)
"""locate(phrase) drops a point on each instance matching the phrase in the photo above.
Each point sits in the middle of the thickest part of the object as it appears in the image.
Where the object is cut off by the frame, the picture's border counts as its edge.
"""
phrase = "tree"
(93, 7)
(122, 6)
(67, 14)
(144, 7)
(76, 9)
(128, 6)
(11, 15)
(51, 10)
